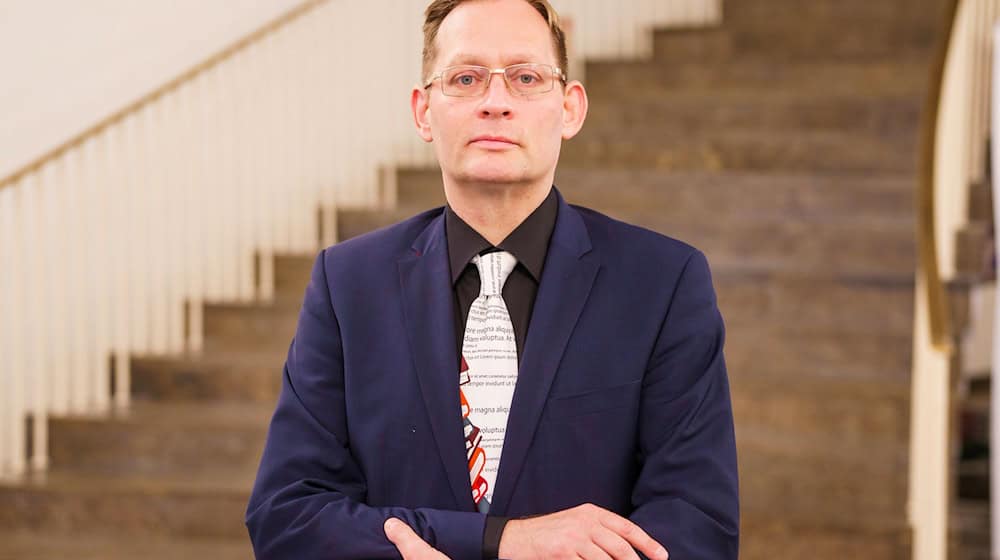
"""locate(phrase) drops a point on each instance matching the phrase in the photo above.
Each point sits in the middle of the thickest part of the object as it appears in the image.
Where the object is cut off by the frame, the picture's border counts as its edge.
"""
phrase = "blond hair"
(439, 9)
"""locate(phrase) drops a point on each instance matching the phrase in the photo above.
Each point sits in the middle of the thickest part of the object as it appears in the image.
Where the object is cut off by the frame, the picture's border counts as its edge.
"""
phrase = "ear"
(420, 104)
(574, 109)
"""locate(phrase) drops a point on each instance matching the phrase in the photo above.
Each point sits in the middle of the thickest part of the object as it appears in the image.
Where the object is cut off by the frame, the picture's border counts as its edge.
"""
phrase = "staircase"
(782, 143)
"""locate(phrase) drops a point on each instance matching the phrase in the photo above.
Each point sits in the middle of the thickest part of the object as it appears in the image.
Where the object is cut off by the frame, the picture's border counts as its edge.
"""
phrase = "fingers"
(594, 551)
(613, 544)
(409, 544)
(635, 536)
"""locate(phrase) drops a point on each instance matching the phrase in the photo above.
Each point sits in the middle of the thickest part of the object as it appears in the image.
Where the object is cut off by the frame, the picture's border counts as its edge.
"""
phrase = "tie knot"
(494, 268)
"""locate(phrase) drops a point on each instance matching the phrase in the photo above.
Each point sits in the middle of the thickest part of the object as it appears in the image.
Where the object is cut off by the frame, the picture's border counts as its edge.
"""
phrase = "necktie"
(487, 375)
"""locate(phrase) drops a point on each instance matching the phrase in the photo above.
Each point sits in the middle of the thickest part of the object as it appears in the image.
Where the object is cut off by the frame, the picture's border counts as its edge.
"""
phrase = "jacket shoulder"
(618, 239)
(389, 242)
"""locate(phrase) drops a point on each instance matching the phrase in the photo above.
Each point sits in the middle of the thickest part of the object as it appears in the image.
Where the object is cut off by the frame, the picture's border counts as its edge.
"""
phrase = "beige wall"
(65, 64)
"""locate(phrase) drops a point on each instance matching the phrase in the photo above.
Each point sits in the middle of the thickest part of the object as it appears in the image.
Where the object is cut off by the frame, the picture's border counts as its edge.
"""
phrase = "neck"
(493, 209)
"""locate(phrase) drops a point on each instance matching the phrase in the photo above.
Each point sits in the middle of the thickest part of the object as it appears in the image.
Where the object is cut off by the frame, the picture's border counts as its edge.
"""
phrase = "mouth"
(493, 142)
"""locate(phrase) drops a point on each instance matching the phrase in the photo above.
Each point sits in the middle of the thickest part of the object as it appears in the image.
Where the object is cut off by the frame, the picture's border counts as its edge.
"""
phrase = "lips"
(492, 140)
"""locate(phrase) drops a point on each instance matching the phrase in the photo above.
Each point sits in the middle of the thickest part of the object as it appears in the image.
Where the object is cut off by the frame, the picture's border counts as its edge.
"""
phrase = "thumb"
(394, 529)
(409, 544)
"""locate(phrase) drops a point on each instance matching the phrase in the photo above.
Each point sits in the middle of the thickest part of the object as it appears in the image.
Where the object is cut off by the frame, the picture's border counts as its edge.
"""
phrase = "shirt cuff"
(491, 536)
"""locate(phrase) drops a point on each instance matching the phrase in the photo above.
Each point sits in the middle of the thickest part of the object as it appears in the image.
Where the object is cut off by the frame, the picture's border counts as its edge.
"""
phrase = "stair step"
(889, 116)
(981, 202)
(970, 524)
(242, 375)
(762, 534)
(292, 272)
(151, 438)
(840, 414)
(233, 326)
(31, 545)
(790, 301)
(840, 247)
(669, 149)
(651, 79)
(804, 478)
(181, 506)
(790, 14)
(814, 38)
(858, 356)
(974, 253)
(723, 195)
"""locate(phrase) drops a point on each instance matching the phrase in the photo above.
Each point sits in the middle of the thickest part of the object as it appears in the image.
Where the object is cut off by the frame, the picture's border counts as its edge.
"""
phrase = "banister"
(940, 322)
(212, 61)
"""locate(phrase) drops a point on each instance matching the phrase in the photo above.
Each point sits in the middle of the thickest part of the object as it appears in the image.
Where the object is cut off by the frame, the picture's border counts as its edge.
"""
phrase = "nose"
(496, 102)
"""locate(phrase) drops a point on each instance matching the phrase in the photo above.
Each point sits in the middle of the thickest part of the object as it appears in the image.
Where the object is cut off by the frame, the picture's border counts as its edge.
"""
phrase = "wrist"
(508, 548)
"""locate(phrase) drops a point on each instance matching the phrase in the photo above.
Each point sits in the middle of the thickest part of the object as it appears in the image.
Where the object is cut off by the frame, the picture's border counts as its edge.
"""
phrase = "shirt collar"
(528, 242)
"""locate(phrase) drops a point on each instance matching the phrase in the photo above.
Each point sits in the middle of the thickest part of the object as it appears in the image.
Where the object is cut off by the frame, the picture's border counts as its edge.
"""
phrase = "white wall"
(66, 64)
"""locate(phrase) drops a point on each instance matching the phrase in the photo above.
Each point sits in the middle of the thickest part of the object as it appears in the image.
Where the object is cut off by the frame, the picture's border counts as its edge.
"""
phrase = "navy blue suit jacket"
(622, 398)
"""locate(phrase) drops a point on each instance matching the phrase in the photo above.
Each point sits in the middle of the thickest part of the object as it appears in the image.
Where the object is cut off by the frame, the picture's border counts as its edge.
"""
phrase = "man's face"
(526, 132)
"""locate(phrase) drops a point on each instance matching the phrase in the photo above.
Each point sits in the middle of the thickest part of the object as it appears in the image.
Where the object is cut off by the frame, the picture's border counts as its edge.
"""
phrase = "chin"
(494, 172)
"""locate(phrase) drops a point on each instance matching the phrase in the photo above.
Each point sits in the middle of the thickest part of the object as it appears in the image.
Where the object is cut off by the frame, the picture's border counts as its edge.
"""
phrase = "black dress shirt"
(529, 244)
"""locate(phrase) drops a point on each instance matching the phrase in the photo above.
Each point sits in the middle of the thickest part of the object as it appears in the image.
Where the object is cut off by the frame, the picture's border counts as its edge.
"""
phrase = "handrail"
(940, 322)
(207, 64)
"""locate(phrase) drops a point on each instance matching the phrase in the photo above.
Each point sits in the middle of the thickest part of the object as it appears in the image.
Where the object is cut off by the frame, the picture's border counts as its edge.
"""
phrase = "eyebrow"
(477, 60)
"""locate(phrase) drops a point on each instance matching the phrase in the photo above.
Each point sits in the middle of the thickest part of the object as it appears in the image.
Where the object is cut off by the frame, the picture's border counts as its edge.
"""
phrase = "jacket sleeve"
(308, 500)
(686, 496)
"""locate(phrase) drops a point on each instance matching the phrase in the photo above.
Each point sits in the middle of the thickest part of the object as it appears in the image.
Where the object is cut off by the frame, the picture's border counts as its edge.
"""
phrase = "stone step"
(651, 79)
(759, 38)
(844, 414)
(888, 116)
(974, 253)
(981, 202)
(840, 248)
(65, 501)
(807, 303)
(970, 529)
(722, 195)
(212, 506)
(804, 479)
(153, 438)
(31, 545)
(858, 356)
(239, 326)
(291, 276)
(843, 247)
(241, 375)
(763, 534)
(791, 14)
(666, 148)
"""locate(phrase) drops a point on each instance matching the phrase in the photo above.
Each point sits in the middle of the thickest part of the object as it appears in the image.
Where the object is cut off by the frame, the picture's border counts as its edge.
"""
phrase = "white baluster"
(119, 156)
(101, 271)
(7, 373)
(78, 239)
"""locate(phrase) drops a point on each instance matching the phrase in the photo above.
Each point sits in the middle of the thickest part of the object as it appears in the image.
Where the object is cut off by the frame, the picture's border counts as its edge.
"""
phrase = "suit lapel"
(565, 285)
(428, 310)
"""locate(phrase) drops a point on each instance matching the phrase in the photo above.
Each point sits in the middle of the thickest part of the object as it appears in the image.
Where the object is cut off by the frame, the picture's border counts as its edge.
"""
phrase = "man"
(509, 376)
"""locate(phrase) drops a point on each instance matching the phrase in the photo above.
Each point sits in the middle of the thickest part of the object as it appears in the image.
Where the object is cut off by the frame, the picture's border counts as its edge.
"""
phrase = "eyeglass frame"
(558, 72)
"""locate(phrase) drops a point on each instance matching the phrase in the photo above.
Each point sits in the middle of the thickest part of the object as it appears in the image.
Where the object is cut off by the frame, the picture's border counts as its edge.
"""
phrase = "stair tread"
(33, 545)
(237, 414)
(224, 480)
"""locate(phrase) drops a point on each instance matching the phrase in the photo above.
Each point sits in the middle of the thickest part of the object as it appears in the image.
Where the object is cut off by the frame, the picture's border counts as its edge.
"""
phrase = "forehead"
(494, 32)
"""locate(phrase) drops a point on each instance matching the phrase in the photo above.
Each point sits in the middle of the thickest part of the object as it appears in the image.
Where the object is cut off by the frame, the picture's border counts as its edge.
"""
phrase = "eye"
(527, 77)
(464, 79)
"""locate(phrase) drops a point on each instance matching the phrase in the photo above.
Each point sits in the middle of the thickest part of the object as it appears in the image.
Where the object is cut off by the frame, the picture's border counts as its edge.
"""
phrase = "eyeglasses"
(473, 81)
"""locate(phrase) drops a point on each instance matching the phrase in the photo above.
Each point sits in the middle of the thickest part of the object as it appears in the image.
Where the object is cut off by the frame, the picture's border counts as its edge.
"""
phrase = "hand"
(409, 544)
(586, 531)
